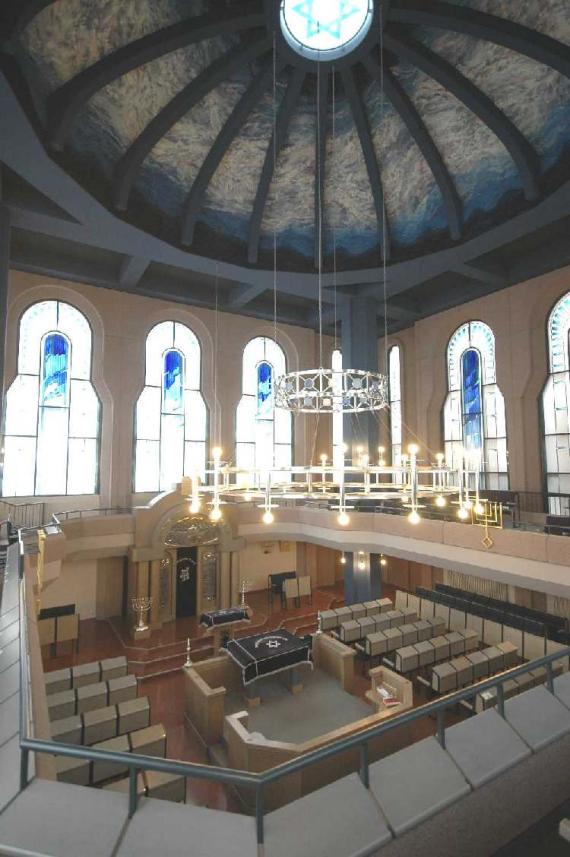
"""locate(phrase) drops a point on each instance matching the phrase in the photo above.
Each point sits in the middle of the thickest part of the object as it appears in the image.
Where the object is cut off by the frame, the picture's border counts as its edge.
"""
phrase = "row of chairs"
(100, 724)
(358, 629)
(554, 624)
(493, 614)
(332, 619)
(83, 674)
(384, 642)
(296, 588)
(512, 687)
(59, 629)
(78, 700)
(428, 652)
(462, 671)
(150, 741)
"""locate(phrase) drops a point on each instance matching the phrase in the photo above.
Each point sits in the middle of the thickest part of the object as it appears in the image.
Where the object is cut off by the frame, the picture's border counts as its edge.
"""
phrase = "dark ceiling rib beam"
(447, 76)
(275, 144)
(481, 25)
(225, 138)
(67, 101)
(222, 68)
(320, 161)
(242, 295)
(370, 159)
(404, 106)
(474, 272)
(132, 270)
(15, 15)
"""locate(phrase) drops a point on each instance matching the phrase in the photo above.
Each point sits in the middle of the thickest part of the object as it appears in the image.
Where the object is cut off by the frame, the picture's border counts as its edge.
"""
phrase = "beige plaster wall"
(518, 317)
(259, 559)
(77, 584)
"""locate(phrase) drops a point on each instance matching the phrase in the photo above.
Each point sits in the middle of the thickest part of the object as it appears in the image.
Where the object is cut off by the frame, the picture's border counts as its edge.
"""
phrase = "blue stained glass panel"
(472, 403)
(264, 391)
(173, 383)
(55, 371)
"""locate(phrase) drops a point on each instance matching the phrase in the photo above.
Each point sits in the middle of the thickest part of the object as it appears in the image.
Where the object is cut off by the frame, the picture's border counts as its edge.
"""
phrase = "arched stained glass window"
(263, 432)
(171, 415)
(395, 382)
(51, 443)
(556, 410)
(474, 411)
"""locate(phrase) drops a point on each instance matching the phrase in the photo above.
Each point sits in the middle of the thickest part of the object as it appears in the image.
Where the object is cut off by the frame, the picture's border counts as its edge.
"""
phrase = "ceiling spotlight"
(383, 560)
(343, 519)
(414, 518)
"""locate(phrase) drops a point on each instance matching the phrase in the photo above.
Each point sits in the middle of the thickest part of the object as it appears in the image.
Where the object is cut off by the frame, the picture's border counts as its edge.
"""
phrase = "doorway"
(186, 581)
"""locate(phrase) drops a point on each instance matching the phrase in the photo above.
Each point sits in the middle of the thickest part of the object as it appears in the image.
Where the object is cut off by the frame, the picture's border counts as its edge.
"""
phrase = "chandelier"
(327, 391)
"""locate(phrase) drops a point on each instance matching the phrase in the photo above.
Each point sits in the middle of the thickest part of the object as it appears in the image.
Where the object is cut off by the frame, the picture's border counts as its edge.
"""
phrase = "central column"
(359, 340)
(4, 268)
(362, 577)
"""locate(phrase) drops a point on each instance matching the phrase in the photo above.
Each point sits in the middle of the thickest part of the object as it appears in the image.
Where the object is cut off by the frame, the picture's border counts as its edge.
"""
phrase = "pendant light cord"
(320, 214)
(383, 242)
(334, 222)
(274, 165)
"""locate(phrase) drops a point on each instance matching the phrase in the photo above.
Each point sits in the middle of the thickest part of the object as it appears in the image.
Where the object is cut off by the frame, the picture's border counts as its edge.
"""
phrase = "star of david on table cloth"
(329, 21)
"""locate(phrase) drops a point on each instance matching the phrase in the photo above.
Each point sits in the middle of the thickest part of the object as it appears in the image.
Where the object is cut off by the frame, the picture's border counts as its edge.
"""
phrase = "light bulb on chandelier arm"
(463, 513)
(479, 508)
(413, 449)
(195, 506)
(413, 517)
(268, 517)
(216, 514)
(440, 501)
(343, 519)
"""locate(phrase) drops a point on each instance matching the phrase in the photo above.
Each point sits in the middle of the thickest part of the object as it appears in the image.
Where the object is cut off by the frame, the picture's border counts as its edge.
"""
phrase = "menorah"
(141, 604)
(245, 584)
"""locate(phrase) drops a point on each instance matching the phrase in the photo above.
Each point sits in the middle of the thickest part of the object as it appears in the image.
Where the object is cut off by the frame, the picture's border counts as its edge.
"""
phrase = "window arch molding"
(474, 411)
(171, 414)
(555, 401)
(263, 433)
(53, 405)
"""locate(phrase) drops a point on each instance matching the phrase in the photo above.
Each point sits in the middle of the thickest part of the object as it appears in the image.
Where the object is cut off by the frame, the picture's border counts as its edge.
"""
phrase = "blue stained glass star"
(332, 24)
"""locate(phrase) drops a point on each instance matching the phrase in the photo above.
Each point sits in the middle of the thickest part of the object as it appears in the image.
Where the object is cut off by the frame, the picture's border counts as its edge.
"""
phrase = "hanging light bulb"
(479, 508)
(463, 513)
(268, 517)
(343, 519)
(413, 449)
(195, 506)
(440, 501)
(215, 513)
(414, 518)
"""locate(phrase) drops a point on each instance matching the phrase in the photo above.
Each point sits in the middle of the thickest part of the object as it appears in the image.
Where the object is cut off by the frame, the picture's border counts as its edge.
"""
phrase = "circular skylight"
(325, 29)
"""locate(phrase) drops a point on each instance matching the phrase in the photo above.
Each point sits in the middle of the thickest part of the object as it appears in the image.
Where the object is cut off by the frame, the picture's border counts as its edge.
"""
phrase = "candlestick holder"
(140, 605)
(188, 660)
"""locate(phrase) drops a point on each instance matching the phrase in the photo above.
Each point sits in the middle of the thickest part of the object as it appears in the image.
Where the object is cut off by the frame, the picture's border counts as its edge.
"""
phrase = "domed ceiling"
(445, 120)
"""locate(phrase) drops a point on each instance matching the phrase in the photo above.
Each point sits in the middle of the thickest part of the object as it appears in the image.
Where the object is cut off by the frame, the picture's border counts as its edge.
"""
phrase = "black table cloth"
(224, 616)
(268, 653)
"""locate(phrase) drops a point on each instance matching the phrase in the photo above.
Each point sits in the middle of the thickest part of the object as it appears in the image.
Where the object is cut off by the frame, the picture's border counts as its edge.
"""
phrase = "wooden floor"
(157, 663)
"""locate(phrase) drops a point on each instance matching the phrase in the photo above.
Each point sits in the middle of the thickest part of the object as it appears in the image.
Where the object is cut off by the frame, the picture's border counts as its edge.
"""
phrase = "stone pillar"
(4, 268)
(361, 577)
(360, 351)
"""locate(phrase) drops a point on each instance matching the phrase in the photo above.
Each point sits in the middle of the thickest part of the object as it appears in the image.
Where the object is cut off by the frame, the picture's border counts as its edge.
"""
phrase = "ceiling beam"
(275, 144)
(15, 15)
(129, 165)
(363, 128)
(414, 123)
(481, 25)
(223, 141)
(475, 100)
(67, 101)
(320, 159)
(243, 295)
(132, 270)
(474, 272)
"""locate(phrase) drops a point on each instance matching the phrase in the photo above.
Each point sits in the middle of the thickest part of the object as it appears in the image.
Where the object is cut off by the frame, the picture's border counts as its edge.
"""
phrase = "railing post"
(441, 727)
(133, 796)
(23, 768)
(364, 766)
(549, 677)
(501, 699)
(259, 813)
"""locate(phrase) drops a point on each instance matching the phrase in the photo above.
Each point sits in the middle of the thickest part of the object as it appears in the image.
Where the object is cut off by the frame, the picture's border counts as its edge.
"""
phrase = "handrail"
(66, 515)
(245, 779)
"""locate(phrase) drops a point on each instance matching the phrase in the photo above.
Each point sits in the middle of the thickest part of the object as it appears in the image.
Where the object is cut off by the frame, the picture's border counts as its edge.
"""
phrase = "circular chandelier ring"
(324, 391)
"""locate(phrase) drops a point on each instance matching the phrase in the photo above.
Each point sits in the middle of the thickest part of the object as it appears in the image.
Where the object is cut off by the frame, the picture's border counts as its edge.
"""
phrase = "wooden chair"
(67, 629)
(305, 588)
(291, 588)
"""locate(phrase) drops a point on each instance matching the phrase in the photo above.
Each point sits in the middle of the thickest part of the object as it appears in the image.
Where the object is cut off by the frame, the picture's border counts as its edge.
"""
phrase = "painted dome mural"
(443, 120)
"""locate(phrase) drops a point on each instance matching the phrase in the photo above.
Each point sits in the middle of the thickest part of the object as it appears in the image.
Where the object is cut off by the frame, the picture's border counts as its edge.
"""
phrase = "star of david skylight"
(325, 29)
